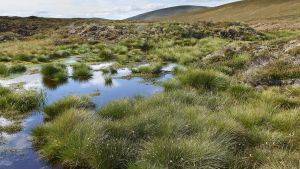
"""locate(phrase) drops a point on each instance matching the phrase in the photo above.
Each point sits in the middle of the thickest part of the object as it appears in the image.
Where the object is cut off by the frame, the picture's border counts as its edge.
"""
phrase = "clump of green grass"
(120, 49)
(67, 103)
(4, 70)
(136, 55)
(153, 69)
(110, 70)
(5, 59)
(17, 69)
(81, 71)
(185, 153)
(106, 54)
(241, 92)
(171, 85)
(55, 72)
(15, 106)
(43, 58)
(238, 61)
(14, 69)
(25, 102)
(71, 140)
(21, 102)
(60, 54)
(24, 57)
(205, 79)
(117, 110)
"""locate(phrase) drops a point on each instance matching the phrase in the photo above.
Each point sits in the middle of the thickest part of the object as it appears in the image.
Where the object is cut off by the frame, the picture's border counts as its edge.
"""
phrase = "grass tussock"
(67, 103)
(81, 71)
(14, 106)
(55, 72)
(206, 79)
(14, 69)
(154, 69)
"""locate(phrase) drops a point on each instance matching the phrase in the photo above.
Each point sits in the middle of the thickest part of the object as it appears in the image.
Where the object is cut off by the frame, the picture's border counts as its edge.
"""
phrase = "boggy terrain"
(233, 103)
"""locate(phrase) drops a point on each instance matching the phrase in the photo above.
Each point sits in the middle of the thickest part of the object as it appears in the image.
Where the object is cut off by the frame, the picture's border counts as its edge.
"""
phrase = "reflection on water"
(16, 150)
(108, 81)
(52, 84)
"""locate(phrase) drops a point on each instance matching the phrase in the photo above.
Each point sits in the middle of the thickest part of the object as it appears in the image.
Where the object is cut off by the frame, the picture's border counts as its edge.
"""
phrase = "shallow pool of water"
(16, 150)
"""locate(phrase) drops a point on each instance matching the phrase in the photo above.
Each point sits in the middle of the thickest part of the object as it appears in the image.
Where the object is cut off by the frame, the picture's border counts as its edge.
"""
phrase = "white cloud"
(117, 9)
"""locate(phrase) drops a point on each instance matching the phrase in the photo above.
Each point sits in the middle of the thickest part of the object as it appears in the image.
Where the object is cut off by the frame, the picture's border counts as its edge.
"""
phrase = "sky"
(109, 9)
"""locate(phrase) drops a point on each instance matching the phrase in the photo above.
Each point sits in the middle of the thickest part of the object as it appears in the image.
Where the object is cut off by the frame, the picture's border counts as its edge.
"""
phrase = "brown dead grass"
(263, 14)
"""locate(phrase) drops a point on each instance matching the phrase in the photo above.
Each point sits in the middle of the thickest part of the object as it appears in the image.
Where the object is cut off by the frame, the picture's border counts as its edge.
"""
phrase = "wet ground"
(16, 151)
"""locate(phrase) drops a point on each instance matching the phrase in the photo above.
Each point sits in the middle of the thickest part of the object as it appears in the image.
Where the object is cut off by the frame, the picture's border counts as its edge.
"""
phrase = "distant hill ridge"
(167, 12)
(283, 13)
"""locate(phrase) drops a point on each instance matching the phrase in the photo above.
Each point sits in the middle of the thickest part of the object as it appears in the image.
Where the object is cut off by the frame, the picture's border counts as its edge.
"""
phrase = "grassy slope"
(252, 11)
(167, 12)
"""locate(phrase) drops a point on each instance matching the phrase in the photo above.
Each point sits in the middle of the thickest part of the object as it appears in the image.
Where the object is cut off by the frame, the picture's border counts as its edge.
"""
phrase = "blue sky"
(110, 9)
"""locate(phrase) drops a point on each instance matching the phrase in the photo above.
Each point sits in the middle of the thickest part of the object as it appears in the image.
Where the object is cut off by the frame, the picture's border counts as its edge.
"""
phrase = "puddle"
(5, 122)
(16, 150)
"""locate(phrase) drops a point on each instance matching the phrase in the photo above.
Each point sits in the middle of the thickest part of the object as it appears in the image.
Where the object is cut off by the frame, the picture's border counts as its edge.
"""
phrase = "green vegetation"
(277, 71)
(181, 128)
(235, 104)
(6, 71)
(205, 79)
(17, 69)
(55, 72)
(67, 103)
(81, 71)
(187, 51)
(154, 69)
(14, 106)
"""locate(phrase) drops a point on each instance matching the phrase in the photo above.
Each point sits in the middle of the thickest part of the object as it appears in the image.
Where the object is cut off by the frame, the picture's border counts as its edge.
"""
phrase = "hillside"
(167, 12)
(259, 13)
